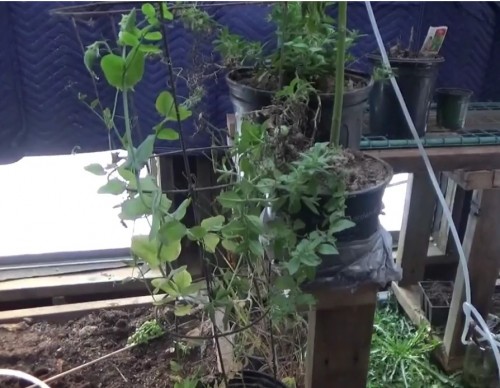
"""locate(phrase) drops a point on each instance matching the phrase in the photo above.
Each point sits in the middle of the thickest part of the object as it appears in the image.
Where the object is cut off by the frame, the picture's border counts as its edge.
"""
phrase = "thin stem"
(339, 75)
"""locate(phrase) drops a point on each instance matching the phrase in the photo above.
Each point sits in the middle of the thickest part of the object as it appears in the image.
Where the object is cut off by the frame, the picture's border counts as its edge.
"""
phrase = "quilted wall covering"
(42, 70)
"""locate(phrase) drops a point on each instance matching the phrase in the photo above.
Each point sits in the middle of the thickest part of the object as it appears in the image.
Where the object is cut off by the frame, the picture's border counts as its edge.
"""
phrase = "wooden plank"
(441, 236)
(63, 313)
(481, 246)
(339, 339)
(73, 284)
(442, 159)
(416, 228)
(473, 180)
(409, 299)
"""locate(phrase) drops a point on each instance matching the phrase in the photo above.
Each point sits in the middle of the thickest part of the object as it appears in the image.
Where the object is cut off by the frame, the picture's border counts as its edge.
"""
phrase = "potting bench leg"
(482, 247)
(416, 228)
(339, 338)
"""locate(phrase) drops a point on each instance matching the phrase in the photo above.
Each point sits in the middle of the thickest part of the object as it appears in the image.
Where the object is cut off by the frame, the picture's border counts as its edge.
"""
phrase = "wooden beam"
(416, 228)
(442, 159)
(481, 246)
(476, 180)
(95, 282)
(339, 338)
(64, 313)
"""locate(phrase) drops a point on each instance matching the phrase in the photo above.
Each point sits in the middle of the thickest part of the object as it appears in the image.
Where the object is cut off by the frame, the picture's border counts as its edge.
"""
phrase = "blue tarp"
(42, 70)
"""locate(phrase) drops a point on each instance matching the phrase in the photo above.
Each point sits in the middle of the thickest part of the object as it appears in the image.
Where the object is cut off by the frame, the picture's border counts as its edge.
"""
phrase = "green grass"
(400, 354)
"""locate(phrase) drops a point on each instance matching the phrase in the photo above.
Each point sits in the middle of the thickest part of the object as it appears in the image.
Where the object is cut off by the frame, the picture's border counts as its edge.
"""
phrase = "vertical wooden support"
(339, 337)
(416, 228)
(482, 248)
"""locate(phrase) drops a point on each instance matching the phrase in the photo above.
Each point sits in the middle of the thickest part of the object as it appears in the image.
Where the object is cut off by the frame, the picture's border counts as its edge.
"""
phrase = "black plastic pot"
(252, 379)
(452, 105)
(436, 314)
(362, 207)
(416, 78)
(247, 99)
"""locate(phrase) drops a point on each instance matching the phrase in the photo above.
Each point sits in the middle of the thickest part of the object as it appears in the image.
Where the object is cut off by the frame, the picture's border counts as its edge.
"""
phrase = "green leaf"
(213, 223)
(144, 152)
(113, 67)
(182, 310)
(127, 23)
(150, 49)
(146, 183)
(164, 104)
(108, 118)
(171, 251)
(256, 248)
(229, 199)
(165, 13)
(167, 134)
(155, 35)
(184, 113)
(148, 10)
(113, 186)
(197, 232)
(229, 245)
(133, 208)
(166, 285)
(172, 231)
(327, 249)
(90, 56)
(341, 225)
(126, 174)
(180, 212)
(311, 204)
(210, 241)
(134, 68)
(95, 168)
(255, 222)
(146, 250)
(126, 38)
(182, 279)
(293, 265)
(310, 260)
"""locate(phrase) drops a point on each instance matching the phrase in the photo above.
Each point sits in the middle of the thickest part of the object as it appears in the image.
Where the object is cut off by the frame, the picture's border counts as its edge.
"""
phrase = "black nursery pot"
(247, 99)
(452, 105)
(416, 78)
(252, 379)
(363, 207)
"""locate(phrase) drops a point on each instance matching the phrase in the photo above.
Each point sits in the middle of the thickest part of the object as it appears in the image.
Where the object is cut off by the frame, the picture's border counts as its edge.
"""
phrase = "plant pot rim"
(385, 182)
(367, 77)
(418, 60)
(455, 91)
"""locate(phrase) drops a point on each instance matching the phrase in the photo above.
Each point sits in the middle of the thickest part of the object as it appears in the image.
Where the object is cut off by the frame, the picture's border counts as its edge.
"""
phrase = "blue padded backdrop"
(41, 66)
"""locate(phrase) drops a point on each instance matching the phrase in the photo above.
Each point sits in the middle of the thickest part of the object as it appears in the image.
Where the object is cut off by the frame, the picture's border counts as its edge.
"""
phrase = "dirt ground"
(44, 350)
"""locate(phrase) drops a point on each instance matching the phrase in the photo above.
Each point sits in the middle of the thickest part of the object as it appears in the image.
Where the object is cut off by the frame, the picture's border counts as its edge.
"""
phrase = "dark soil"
(44, 350)
(439, 293)
(267, 81)
(363, 172)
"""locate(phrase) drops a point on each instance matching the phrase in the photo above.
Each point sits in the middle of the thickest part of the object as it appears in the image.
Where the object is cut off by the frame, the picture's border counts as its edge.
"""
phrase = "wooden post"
(416, 228)
(481, 246)
(339, 337)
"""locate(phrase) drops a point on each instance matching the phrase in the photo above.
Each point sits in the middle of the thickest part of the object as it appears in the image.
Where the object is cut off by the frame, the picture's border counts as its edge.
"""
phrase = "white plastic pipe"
(23, 376)
(468, 308)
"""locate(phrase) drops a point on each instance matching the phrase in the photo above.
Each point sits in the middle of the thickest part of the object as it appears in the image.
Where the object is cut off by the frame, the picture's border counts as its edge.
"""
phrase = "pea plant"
(264, 263)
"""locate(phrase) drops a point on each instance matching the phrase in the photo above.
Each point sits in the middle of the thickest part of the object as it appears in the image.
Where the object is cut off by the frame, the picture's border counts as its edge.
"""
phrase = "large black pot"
(247, 99)
(416, 78)
(363, 207)
(251, 379)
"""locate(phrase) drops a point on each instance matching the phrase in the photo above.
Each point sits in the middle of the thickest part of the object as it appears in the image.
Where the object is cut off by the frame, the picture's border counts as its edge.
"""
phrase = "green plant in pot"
(306, 48)
(416, 75)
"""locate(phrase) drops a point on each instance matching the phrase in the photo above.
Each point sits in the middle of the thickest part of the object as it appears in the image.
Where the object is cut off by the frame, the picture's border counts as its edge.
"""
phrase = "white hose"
(468, 308)
(23, 376)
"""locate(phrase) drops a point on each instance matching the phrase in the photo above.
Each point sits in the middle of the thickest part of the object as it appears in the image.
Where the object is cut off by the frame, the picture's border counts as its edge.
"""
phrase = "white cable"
(23, 376)
(468, 308)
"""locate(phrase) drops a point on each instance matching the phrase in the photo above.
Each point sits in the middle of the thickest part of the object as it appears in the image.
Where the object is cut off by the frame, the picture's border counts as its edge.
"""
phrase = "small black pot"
(452, 105)
(362, 207)
(416, 78)
(247, 99)
(252, 379)
(436, 314)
